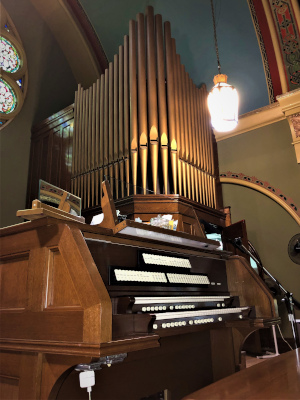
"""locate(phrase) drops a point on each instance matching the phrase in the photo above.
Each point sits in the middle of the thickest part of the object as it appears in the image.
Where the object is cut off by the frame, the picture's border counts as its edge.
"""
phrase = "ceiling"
(192, 28)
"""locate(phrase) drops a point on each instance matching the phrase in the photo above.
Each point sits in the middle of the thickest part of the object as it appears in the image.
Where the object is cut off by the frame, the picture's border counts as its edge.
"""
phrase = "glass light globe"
(223, 105)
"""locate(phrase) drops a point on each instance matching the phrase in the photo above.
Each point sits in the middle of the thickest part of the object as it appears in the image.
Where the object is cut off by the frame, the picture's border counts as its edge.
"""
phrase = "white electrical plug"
(87, 380)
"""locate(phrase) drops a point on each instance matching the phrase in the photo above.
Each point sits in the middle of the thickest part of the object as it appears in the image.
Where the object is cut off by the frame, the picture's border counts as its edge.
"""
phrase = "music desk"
(276, 378)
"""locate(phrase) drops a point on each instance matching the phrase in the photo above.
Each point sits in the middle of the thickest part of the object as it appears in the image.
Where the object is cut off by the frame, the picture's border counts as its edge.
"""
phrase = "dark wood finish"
(51, 153)
(233, 231)
(276, 378)
(188, 212)
(56, 312)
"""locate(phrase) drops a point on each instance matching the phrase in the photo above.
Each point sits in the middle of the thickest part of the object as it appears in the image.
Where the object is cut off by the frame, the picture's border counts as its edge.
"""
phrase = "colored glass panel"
(9, 57)
(8, 100)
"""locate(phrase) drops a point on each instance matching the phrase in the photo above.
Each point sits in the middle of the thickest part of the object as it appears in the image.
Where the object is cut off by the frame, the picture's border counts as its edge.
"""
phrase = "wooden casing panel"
(51, 289)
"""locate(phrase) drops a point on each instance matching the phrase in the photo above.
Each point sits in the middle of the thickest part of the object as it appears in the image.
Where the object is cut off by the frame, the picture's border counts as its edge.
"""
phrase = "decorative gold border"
(262, 51)
(276, 46)
(258, 188)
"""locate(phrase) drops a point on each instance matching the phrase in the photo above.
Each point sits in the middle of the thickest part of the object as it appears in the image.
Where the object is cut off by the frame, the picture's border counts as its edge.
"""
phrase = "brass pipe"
(184, 178)
(100, 149)
(85, 154)
(75, 132)
(96, 187)
(188, 178)
(88, 130)
(200, 187)
(171, 107)
(188, 145)
(93, 163)
(90, 139)
(179, 177)
(80, 136)
(188, 101)
(83, 130)
(214, 193)
(181, 126)
(206, 160)
(75, 139)
(197, 143)
(116, 124)
(184, 132)
(211, 191)
(111, 125)
(197, 128)
(192, 182)
(133, 103)
(201, 136)
(152, 96)
(192, 145)
(126, 114)
(94, 104)
(162, 105)
(196, 184)
(142, 100)
(97, 124)
(121, 118)
(81, 192)
(185, 149)
(209, 134)
(106, 119)
(204, 188)
(177, 112)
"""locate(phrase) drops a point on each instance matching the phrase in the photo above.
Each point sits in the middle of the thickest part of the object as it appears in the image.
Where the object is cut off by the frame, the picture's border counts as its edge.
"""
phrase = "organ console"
(170, 307)
(167, 310)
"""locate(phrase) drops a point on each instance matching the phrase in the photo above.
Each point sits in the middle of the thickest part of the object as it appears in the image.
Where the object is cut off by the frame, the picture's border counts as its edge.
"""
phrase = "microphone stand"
(288, 297)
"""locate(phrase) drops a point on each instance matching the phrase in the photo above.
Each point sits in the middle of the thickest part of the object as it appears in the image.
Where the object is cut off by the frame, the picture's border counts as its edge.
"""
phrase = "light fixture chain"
(215, 35)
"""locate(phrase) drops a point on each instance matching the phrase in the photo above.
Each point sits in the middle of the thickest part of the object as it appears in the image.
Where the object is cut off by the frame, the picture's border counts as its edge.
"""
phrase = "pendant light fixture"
(223, 98)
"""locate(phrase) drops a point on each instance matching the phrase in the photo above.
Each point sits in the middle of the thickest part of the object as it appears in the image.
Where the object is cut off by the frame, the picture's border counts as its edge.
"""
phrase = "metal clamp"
(108, 360)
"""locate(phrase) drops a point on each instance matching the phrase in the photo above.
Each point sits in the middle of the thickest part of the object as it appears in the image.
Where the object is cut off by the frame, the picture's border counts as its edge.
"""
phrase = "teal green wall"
(51, 87)
(266, 153)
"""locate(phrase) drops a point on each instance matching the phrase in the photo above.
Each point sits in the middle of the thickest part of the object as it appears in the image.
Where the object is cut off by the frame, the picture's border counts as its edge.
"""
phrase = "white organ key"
(199, 313)
(179, 299)
(156, 259)
(139, 276)
(188, 279)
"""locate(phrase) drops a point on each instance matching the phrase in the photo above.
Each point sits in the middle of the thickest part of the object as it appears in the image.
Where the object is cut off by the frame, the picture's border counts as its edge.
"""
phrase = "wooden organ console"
(171, 306)
(167, 310)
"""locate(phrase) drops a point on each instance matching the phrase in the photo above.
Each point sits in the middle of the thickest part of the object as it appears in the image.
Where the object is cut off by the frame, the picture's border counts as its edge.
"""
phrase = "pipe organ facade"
(144, 125)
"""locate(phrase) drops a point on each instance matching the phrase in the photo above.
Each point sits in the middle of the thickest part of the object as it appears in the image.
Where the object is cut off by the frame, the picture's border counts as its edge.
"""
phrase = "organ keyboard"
(193, 289)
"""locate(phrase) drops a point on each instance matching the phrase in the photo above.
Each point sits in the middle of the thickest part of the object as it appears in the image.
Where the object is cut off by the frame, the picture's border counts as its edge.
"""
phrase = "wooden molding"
(255, 119)
(286, 107)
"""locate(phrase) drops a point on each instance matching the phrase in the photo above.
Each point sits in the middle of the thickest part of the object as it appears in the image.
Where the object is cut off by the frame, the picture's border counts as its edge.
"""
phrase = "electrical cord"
(284, 338)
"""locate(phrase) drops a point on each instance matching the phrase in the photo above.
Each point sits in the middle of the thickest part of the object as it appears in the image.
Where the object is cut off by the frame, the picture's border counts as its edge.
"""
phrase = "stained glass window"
(9, 57)
(8, 100)
(13, 67)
